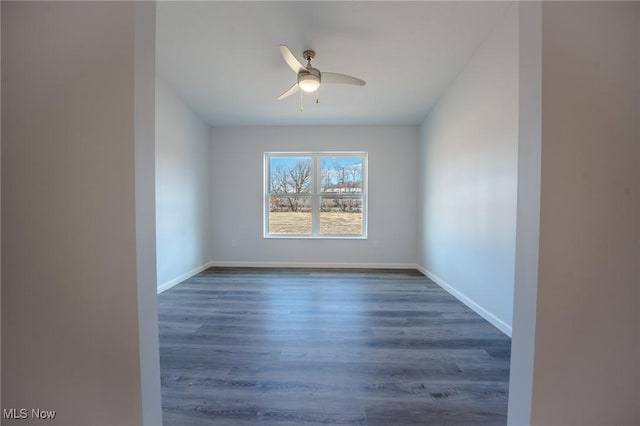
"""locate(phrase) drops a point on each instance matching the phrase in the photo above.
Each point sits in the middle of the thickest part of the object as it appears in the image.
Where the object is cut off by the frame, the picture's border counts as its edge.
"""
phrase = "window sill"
(315, 237)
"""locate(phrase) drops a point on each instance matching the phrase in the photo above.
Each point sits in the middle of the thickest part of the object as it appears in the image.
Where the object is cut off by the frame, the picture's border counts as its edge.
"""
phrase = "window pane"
(341, 216)
(313, 194)
(289, 215)
(290, 175)
(341, 175)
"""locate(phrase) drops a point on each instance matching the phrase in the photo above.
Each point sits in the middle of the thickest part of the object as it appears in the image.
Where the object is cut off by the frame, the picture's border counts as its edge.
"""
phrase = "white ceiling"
(223, 58)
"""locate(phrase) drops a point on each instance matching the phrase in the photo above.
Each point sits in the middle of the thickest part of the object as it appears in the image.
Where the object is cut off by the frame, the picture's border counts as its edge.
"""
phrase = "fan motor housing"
(309, 70)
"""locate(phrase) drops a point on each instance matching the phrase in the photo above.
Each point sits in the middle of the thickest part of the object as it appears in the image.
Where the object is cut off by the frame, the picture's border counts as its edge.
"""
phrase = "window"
(315, 195)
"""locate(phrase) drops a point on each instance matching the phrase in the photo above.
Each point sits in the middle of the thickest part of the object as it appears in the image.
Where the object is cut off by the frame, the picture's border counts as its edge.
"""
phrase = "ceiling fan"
(309, 78)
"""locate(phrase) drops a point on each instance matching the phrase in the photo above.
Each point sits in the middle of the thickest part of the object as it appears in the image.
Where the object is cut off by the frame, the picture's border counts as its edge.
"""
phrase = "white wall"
(586, 338)
(183, 188)
(144, 134)
(71, 289)
(237, 176)
(0, 215)
(468, 178)
(528, 215)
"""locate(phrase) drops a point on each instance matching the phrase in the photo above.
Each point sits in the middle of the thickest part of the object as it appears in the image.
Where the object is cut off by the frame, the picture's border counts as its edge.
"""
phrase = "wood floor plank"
(263, 346)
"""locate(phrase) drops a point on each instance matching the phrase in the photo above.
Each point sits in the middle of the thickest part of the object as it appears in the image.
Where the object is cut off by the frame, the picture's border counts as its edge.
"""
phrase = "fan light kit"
(308, 83)
(310, 78)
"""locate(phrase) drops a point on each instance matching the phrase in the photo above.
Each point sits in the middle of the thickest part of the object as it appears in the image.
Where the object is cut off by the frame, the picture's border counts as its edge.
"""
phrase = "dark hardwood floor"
(304, 346)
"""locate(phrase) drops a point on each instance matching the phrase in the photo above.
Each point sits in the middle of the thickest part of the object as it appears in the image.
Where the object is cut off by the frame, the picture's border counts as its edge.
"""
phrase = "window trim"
(316, 194)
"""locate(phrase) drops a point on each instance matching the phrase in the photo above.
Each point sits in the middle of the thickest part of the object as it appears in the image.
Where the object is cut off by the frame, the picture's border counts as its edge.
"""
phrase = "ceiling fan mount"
(310, 78)
(309, 55)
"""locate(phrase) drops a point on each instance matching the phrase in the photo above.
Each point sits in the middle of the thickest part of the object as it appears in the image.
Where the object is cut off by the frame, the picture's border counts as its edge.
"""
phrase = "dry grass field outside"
(331, 223)
(289, 222)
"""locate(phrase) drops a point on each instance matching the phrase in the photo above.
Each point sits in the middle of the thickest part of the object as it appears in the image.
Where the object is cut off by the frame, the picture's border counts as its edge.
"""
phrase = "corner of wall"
(183, 187)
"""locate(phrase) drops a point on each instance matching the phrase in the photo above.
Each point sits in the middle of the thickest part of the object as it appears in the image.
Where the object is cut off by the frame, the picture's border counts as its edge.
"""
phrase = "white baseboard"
(495, 321)
(231, 264)
(177, 280)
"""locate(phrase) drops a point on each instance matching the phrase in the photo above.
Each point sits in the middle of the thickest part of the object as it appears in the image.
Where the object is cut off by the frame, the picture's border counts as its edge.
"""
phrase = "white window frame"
(316, 194)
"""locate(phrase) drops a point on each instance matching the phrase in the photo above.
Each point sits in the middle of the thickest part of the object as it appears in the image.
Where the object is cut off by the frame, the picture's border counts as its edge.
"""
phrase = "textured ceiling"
(223, 58)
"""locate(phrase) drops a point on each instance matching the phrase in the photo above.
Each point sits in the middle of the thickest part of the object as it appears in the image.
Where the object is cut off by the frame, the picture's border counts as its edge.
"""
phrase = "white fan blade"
(291, 60)
(293, 89)
(333, 77)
